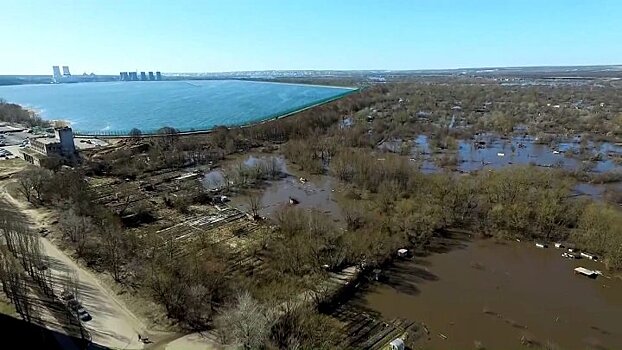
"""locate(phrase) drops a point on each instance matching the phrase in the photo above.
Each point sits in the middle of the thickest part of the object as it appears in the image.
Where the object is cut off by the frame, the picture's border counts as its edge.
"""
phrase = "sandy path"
(112, 325)
(194, 341)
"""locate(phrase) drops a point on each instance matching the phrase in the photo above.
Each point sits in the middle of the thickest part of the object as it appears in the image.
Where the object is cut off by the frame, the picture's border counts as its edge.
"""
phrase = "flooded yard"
(499, 295)
(489, 151)
(308, 192)
(316, 193)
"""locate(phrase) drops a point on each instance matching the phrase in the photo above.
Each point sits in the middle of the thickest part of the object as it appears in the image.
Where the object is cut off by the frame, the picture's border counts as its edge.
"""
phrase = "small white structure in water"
(500, 154)
(587, 272)
(589, 256)
(570, 255)
(540, 245)
(397, 344)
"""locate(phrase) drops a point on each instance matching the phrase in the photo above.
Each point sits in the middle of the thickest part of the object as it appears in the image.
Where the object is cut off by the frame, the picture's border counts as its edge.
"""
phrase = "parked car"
(85, 317)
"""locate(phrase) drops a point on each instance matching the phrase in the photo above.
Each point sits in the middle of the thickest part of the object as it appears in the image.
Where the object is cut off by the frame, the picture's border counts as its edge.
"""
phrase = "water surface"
(185, 105)
(499, 293)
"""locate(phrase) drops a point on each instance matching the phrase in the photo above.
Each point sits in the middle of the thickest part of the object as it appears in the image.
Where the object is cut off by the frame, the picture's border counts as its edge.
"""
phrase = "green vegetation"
(600, 230)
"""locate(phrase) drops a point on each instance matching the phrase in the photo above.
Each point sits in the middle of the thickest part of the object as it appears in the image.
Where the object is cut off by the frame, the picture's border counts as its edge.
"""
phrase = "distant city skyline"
(190, 36)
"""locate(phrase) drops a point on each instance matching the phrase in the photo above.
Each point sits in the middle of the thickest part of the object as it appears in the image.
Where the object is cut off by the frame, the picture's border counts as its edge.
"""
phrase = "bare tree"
(112, 251)
(77, 228)
(32, 184)
(247, 322)
(274, 167)
(254, 204)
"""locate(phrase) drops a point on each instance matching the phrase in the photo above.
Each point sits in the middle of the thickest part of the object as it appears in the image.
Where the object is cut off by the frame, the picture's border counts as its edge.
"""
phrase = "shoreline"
(248, 80)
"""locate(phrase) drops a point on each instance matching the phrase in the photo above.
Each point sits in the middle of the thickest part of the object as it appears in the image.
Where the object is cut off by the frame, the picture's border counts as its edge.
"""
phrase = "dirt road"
(112, 324)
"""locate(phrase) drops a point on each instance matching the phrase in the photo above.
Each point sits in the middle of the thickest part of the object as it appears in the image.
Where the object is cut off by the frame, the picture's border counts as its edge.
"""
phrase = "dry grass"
(6, 308)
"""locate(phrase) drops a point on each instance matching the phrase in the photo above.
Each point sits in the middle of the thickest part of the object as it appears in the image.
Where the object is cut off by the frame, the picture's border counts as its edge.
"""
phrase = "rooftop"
(47, 140)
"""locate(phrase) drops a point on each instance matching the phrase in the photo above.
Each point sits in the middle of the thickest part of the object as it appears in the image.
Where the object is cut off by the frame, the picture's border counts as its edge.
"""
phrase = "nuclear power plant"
(57, 77)
(142, 76)
(62, 74)
(66, 77)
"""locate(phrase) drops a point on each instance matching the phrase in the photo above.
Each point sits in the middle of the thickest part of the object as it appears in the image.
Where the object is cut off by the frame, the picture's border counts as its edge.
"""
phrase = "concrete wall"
(65, 135)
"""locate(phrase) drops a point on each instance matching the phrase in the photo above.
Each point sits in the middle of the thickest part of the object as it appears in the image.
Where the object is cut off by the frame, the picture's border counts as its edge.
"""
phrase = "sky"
(108, 36)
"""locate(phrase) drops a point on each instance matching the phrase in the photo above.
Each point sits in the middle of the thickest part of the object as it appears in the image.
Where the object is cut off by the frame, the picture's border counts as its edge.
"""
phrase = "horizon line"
(366, 70)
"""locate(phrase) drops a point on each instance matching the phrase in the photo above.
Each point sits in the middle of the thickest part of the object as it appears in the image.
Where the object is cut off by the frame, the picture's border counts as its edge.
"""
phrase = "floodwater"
(496, 153)
(496, 294)
(315, 193)
(523, 150)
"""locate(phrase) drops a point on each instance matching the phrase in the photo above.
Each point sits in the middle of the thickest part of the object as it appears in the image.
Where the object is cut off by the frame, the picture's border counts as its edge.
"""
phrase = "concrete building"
(66, 71)
(143, 76)
(61, 145)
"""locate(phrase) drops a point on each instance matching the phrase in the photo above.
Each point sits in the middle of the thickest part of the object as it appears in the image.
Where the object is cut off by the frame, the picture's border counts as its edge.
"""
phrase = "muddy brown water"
(496, 294)
(316, 192)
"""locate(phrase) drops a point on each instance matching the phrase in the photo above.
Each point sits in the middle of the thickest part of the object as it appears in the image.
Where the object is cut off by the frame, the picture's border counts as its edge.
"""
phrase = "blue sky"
(107, 36)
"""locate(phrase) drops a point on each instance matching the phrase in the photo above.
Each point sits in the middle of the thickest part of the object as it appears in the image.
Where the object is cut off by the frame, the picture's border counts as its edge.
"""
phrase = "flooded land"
(316, 192)
(473, 293)
(499, 295)
(493, 152)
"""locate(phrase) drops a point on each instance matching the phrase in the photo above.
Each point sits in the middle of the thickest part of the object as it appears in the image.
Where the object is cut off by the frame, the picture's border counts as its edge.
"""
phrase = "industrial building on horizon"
(66, 77)
(144, 76)
(61, 74)
(57, 77)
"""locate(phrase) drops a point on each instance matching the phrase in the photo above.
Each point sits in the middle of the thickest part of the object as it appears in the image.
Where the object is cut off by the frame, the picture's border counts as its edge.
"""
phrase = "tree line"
(13, 113)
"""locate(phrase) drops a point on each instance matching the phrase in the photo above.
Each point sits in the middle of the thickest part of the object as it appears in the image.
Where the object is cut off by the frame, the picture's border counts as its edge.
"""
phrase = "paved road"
(113, 325)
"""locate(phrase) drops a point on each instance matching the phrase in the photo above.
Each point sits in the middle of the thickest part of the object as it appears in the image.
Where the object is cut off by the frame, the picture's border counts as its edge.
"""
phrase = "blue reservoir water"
(113, 107)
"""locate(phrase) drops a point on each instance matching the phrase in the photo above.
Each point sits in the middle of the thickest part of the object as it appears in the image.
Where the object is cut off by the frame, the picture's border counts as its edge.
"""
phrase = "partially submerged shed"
(587, 272)
(397, 344)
